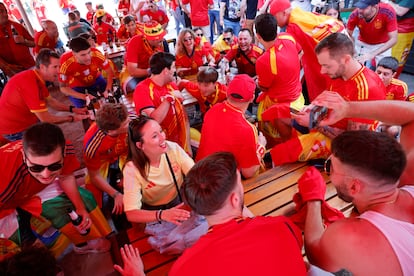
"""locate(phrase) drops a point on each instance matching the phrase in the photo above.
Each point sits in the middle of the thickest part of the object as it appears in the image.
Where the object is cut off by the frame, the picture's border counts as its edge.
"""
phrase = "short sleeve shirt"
(246, 63)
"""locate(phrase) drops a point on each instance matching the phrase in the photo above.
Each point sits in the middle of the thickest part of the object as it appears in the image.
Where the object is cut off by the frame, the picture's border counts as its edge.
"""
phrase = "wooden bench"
(268, 194)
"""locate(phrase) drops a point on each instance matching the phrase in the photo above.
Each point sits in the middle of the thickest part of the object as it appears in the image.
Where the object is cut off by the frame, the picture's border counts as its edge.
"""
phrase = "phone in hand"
(316, 115)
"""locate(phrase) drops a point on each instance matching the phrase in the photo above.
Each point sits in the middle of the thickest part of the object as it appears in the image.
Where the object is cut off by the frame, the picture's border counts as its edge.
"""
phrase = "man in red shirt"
(245, 53)
(347, 77)
(199, 15)
(396, 89)
(159, 98)
(377, 24)
(308, 29)
(234, 244)
(90, 13)
(104, 31)
(139, 50)
(224, 43)
(48, 37)
(80, 72)
(25, 99)
(278, 74)
(129, 29)
(15, 42)
(152, 12)
(225, 128)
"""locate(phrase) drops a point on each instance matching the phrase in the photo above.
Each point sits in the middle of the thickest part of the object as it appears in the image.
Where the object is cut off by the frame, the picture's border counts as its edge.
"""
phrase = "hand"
(311, 185)
(302, 117)
(365, 57)
(118, 204)
(176, 214)
(80, 110)
(19, 39)
(105, 93)
(262, 139)
(86, 220)
(133, 265)
(88, 98)
(169, 98)
(338, 107)
(80, 117)
(221, 22)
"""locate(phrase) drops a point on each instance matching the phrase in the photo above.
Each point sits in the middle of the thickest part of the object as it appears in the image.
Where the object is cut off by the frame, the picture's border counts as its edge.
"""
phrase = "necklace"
(386, 202)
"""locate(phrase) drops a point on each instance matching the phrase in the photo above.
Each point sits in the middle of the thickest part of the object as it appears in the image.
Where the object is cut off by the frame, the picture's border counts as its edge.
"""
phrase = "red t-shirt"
(158, 16)
(103, 31)
(396, 90)
(24, 95)
(205, 103)
(89, 16)
(245, 66)
(278, 69)
(226, 129)
(193, 60)
(308, 29)
(376, 30)
(199, 12)
(122, 5)
(17, 186)
(12, 52)
(365, 85)
(250, 246)
(79, 75)
(42, 40)
(139, 51)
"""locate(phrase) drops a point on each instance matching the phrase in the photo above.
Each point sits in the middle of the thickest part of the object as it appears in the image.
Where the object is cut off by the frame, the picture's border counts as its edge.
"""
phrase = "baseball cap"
(278, 6)
(153, 30)
(362, 4)
(100, 13)
(241, 88)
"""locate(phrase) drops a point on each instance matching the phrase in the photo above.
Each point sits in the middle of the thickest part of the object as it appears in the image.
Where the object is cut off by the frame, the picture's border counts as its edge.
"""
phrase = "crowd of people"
(242, 62)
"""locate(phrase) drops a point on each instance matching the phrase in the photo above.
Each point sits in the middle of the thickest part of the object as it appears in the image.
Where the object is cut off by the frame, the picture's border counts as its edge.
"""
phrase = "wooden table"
(269, 193)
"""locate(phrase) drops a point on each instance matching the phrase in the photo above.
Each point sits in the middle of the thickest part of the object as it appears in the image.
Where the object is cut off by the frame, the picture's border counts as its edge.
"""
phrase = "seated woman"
(190, 54)
(150, 188)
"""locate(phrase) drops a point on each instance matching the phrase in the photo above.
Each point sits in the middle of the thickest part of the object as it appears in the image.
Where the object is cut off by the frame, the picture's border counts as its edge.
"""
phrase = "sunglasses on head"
(36, 168)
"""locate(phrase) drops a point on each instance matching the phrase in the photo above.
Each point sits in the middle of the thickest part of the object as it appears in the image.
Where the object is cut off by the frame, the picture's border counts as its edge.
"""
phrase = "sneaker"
(100, 245)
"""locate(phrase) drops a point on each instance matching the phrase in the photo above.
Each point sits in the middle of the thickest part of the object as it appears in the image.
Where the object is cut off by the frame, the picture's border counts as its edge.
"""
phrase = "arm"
(70, 92)
(250, 172)
(222, 10)
(103, 185)
(134, 71)
(68, 185)
(109, 78)
(399, 10)
(391, 42)
(55, 104)
(50, 118)
(158, 113)
(314, 230)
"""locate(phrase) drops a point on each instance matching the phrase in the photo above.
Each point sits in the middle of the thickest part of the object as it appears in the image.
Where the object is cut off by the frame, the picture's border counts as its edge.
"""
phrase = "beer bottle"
(76, 221)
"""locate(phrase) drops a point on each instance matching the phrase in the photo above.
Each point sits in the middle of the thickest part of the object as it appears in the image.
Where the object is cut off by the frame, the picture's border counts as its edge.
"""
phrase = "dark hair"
(207, 75)
(111, 116)
(209, 183)
(246, 30)
(159, 61)
(78, 44)
(197, 29)
(76, 12)
(127, 19)
(228, 30)
(135, 154)
(333, 5)
(389, 63)
(44, 56)
(31, 261)
(266, 26)
(376, 154)
(72, 16)
(337, 44)
(42, 139)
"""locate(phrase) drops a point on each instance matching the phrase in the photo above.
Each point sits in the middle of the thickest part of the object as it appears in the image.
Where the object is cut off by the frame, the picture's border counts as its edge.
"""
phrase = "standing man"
(158, 97)
(278, 74)
(80, 72)
(139, 50)
(308, 29)
(231, 14)
(15, 45)
(199, 15)
(377, 24)
(365, 168)
(25, 99)
(234, 133)
(90, 13)
(245, 53)
(38, 180)
(234, 244)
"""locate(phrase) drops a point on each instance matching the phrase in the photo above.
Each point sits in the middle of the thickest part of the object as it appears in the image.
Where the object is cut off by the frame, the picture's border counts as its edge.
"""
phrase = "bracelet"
(71, 107)
(72, 118)
(115, 194)
(157, 215)
(160, 215)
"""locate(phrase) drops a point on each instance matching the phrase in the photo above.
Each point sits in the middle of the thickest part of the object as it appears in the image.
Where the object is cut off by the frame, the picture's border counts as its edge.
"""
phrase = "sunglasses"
(226, 38)
(36, 168)
(199, 35)
(327, 165)
(188, 39)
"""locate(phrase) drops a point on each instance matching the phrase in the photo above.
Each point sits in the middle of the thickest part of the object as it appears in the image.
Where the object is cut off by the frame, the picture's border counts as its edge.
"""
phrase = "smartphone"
(316, 115)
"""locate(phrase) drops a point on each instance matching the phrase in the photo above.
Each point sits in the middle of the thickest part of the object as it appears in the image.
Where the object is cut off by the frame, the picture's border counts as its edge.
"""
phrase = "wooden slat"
(154, 260)
(161, 270)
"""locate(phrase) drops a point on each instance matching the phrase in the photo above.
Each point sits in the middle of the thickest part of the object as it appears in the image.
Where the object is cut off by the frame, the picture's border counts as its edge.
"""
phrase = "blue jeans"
(214, 18)
(98, 86)
(179, 19)
(234, 25)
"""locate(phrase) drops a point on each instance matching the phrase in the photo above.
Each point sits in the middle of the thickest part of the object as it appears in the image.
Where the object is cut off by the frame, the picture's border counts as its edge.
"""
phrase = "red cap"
(278, 6)
(241, 88)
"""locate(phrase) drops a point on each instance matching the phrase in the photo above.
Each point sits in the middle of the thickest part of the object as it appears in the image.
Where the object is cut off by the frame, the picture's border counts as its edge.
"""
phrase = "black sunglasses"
(36, 168)
(327, 165)
(226, 38)
(199, 34)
